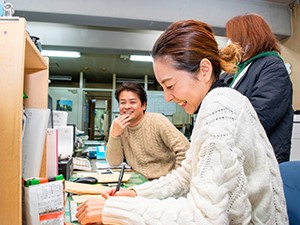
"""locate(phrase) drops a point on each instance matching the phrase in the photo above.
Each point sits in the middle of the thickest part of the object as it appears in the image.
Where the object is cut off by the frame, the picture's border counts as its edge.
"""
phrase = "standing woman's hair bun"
(230, 56)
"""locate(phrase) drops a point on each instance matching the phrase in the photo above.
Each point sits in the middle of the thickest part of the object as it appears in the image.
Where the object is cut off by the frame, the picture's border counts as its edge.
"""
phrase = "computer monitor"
(74, 135)
(50, 106)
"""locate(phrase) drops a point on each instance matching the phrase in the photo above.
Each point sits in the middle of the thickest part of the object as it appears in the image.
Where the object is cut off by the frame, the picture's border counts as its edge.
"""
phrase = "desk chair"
(290, 173)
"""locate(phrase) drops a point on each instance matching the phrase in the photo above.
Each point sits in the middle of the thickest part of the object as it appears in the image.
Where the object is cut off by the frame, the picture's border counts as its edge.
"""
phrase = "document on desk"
(73, 210)
(44, 203)
(74, 203)
(80, 189)
(104, 165)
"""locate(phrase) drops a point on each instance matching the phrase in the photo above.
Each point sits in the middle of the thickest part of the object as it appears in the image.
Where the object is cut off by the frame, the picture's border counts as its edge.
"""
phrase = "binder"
(52, 152)
(34, 141)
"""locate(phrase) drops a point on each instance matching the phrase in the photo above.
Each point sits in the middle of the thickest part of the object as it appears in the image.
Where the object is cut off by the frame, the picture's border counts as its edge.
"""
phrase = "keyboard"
(80, 163)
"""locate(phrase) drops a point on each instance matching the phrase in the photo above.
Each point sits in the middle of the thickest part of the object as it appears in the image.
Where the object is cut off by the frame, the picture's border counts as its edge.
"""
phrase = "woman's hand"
(122, 192)
(90, 212)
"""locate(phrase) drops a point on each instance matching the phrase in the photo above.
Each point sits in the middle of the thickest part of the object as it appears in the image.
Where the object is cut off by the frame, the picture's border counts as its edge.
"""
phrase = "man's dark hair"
(133, 87)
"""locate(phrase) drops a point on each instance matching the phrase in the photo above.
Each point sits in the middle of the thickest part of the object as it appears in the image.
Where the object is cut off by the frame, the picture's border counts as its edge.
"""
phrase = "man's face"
(130, 104)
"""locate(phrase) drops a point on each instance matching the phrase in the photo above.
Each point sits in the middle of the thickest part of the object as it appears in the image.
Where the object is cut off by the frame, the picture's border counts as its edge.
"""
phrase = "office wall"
(156, 103)
(291, 54)
(65, 94)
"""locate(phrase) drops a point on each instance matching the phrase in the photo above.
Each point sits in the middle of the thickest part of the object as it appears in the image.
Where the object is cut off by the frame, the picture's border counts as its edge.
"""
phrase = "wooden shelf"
(22, 68)
(33, 59)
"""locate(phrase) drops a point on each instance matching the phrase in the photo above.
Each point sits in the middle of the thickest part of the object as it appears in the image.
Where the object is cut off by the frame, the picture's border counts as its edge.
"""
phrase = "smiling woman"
(230, 174)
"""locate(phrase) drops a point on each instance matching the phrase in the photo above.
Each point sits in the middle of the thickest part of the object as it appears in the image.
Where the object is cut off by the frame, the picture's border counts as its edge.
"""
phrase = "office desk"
(135, 179)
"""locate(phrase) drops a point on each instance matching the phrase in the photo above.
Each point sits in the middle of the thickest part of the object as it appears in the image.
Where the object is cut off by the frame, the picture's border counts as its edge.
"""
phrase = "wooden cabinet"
(22, 69)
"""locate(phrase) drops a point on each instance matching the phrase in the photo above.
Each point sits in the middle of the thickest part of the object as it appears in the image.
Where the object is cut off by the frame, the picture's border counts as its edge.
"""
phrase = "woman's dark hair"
(187, 42)
(133, 87)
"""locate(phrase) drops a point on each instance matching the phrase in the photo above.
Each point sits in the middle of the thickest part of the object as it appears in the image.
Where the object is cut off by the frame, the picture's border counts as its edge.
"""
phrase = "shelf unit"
(22, 69)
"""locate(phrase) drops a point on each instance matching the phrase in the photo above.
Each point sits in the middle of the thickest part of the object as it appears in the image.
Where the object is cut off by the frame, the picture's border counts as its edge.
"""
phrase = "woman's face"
(180, 86)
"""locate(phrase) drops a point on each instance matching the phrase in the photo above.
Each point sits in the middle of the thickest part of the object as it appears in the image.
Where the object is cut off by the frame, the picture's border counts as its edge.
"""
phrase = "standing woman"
(230, 174)
(263, 78)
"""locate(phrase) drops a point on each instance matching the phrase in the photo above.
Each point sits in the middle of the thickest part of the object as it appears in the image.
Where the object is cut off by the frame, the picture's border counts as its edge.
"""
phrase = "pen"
(120, 177)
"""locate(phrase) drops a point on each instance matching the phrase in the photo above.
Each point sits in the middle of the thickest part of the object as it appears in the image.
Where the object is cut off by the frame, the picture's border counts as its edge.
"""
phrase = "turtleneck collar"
(218, 83)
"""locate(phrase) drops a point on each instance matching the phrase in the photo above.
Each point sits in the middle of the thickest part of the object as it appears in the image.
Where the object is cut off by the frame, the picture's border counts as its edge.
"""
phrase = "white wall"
(291, 54)
(68, 94)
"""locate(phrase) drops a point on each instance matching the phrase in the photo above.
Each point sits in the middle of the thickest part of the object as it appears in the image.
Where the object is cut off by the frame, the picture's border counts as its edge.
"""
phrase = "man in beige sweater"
(149, 142)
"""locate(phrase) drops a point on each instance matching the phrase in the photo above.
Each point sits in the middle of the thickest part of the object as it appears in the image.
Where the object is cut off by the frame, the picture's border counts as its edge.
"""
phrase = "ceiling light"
(142, 58)
(60, 53)
(125, 57)
(123, 80)
(60, 78)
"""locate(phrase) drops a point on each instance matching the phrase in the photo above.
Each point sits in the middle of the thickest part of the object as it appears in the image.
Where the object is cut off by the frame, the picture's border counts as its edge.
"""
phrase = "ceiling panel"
(125, 28)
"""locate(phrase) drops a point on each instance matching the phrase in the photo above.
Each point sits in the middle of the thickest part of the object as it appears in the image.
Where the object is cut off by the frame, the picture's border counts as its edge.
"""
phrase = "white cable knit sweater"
(230, 174)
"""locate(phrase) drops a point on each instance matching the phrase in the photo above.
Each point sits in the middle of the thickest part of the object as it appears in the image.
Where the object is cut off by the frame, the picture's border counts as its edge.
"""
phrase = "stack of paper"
(79, 188)
(44, 203)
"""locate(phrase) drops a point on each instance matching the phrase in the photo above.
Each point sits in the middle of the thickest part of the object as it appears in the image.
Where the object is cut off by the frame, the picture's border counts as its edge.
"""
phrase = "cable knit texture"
(153, 148)
(230, 174)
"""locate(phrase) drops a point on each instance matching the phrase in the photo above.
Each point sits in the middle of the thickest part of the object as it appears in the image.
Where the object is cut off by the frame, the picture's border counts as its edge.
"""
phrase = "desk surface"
(135, 179)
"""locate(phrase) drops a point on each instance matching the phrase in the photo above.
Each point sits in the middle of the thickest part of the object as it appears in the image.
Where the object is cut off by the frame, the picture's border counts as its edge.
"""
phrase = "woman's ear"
(205, 70)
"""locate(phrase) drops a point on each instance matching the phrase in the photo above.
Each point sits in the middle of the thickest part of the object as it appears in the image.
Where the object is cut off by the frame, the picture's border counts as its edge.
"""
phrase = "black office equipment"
(65, 167)
(86, 180)
(74, 135)
(50, 106)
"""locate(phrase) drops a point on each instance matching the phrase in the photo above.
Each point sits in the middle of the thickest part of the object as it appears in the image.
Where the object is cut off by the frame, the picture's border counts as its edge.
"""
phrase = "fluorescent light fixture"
(52, 53)
(60, 78)
(141, 58)
(122, 80)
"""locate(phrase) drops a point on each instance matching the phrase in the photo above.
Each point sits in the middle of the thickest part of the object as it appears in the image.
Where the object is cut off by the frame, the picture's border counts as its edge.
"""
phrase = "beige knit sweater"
(230, 175)
(153, 148)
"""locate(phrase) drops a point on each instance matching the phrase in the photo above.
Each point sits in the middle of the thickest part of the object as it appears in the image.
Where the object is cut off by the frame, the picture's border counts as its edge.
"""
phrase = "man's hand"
(90, 212)
(119, 125)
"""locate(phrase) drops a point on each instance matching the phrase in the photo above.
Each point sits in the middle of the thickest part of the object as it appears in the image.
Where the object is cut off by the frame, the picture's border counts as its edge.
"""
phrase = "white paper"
(73, 211)
(105, 165)
(65, 140)
(52, 152)
(43, 198)
(60, 118)
(34, 141)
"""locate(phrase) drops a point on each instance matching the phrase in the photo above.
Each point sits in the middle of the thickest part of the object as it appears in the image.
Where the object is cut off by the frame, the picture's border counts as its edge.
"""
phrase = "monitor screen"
(50, 106)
